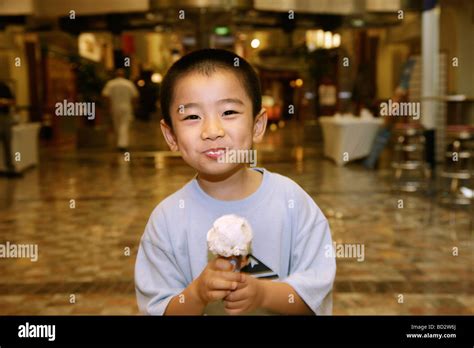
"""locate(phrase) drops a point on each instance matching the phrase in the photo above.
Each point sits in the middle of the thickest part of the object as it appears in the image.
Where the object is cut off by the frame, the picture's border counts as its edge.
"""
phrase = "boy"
(211, 103)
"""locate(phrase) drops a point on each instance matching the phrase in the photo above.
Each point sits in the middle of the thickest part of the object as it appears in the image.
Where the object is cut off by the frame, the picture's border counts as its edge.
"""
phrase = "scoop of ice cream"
(230, 235)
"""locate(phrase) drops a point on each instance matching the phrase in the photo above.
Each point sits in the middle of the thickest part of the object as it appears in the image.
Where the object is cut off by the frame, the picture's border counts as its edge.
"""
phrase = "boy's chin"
(219, 170)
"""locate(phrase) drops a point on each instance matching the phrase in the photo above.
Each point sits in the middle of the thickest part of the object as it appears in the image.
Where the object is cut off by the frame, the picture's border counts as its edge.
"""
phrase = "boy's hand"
(216, 281)
(248, 296)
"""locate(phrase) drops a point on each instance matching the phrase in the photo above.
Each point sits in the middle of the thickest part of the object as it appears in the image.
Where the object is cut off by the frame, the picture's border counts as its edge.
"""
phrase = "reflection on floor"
(86, 210)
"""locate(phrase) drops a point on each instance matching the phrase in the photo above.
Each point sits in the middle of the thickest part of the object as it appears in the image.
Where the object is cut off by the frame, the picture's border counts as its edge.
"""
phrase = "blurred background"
(371, 109)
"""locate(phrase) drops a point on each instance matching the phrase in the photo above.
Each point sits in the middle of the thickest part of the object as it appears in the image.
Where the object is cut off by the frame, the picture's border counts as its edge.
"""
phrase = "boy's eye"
(230, 112)
(191, 117)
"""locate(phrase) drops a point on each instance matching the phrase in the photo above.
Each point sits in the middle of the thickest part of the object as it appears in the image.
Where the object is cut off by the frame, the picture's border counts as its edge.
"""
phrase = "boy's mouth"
(215, 153)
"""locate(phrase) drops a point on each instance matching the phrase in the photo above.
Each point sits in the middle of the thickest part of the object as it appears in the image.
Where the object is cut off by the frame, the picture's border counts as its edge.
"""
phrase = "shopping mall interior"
(370, 110)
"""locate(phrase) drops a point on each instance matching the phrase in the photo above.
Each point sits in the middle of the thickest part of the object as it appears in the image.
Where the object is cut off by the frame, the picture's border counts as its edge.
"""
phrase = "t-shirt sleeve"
(312, 267)
(157, 274)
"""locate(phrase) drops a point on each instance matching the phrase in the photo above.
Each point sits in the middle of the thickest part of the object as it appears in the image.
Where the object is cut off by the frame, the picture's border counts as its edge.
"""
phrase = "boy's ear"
(169, 136)
(259, 125)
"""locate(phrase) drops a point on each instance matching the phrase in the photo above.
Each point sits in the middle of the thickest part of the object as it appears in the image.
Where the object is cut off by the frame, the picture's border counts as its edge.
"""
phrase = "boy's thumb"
(223, 264)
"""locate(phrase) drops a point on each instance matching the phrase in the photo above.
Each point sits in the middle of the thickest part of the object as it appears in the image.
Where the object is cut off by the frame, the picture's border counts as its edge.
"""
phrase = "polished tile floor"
(86, 210)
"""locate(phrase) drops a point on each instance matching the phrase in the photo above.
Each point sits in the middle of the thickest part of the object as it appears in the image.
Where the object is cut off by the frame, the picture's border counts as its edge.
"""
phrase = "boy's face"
(210, 114)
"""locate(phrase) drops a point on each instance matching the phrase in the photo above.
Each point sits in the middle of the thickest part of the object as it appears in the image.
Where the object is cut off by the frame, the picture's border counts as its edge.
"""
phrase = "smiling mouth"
(215, 153)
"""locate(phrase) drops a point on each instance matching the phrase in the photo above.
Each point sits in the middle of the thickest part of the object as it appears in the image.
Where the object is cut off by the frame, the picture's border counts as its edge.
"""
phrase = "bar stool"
(411, 171)
(458, 170)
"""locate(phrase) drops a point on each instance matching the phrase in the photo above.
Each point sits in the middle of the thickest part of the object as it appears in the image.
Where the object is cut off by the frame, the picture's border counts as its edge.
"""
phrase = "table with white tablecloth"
(348, 138)
(24, 146)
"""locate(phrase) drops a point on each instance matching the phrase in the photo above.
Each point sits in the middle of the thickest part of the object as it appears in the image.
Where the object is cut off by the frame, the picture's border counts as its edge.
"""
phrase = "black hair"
(206, 62)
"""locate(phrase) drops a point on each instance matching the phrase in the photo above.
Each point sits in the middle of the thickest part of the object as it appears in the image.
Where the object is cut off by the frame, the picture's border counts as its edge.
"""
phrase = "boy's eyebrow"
(231, 100)
(185, 106)
(222, 101)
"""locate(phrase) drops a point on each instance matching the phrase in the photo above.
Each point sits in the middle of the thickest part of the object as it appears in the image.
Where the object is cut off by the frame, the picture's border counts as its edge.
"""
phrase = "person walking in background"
(385, 132)
(121, 94)
(6, 122)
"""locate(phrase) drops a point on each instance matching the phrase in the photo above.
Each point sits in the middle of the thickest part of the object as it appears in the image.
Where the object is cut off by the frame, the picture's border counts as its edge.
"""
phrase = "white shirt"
(121, 92)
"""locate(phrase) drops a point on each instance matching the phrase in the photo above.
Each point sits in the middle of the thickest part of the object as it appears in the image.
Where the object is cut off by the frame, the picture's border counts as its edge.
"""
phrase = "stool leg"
(454, 185)
(427, 172)
(398, 173)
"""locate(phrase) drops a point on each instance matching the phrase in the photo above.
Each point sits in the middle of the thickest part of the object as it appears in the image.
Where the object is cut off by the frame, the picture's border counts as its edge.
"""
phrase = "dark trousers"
(381, 140)
(6, 124)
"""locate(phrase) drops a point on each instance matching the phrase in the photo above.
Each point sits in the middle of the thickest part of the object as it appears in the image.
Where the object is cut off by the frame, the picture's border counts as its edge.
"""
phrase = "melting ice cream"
(230, 235)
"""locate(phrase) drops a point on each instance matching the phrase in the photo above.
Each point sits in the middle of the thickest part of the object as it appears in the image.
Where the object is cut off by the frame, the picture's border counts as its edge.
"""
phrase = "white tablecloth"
(25, 142)
(348, 138)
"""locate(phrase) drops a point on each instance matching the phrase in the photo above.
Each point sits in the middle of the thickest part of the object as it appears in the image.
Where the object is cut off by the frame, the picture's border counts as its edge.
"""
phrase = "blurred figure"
(149, 92)
(6, 123)
(121, 94)
(385, 132)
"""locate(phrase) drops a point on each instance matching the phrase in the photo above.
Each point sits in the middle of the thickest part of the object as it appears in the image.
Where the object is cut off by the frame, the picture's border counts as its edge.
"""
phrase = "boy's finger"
(231, 276)
(235, 305)
(223, 264)
(236, 296)
(222, 284)
(218, 295)
(236, 311)
(241, 285)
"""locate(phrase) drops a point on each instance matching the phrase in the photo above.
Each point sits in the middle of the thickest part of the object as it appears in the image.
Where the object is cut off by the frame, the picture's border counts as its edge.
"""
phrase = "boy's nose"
(212, 129)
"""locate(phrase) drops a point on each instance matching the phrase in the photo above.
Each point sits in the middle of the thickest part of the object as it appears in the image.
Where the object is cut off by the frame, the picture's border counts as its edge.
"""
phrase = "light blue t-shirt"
(291, 236)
